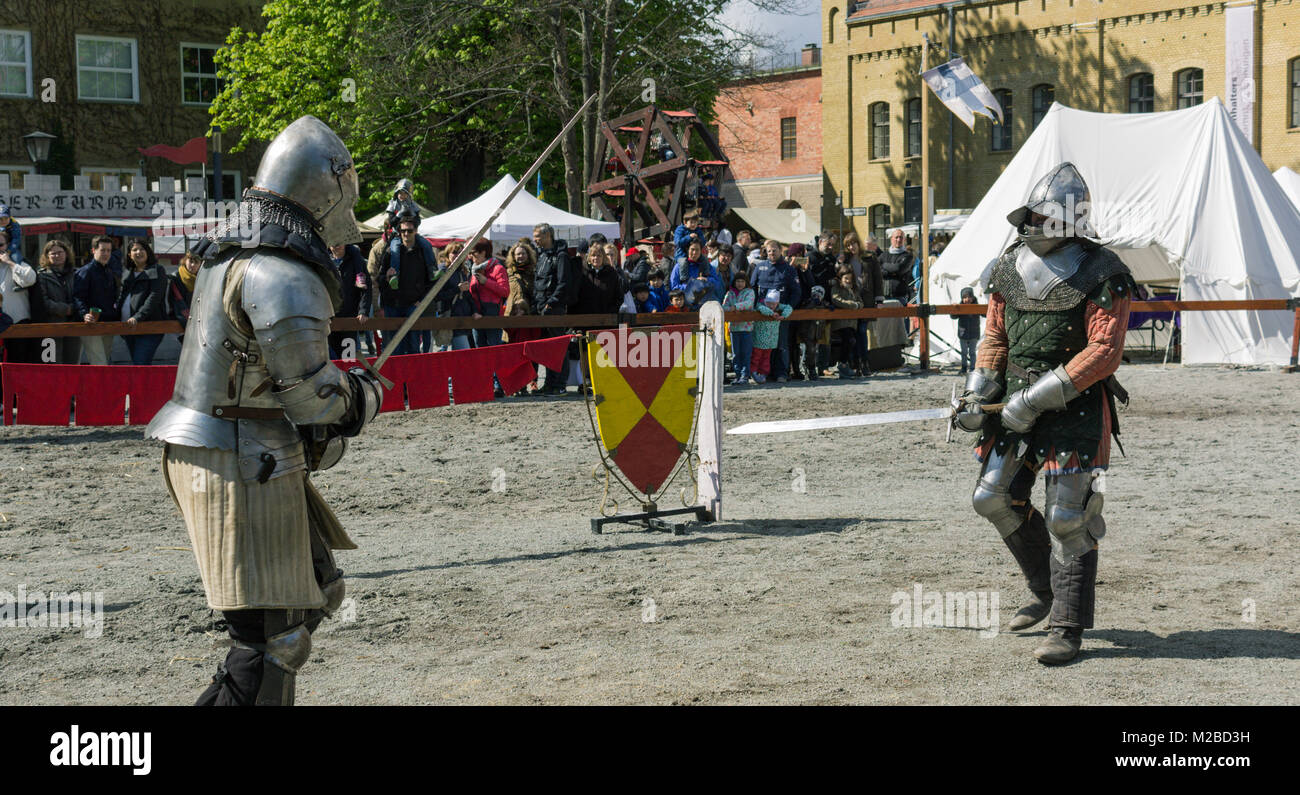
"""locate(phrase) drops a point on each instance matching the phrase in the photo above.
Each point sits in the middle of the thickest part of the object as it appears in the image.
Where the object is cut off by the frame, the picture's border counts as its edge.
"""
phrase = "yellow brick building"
(1111, 56)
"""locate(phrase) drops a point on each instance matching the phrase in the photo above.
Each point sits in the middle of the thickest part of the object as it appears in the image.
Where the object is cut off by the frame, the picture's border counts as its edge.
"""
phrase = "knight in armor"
(258, 405)
(1057, 313)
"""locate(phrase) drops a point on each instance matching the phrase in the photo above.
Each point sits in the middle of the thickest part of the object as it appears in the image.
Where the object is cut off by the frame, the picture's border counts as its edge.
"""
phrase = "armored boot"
(261, 668)
(1032, 549)
(1074, 586)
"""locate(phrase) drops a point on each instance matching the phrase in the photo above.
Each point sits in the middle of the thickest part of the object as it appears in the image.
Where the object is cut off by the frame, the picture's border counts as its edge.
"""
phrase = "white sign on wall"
(1239, 44)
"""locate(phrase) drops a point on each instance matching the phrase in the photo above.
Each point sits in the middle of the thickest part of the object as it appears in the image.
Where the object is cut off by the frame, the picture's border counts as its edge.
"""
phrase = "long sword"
(948, 412)
(389, 347)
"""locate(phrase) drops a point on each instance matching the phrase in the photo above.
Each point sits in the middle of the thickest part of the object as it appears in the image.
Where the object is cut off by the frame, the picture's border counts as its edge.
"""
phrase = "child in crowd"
(968, 332)
(740, 298)
(658, 291)
(677, 302)
(689, 232)
(637, 299)
(845, 295)
(767, 333)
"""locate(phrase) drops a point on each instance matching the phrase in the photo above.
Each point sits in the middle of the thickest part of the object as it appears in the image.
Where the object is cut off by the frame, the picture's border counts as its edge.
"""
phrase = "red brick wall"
(752, 141)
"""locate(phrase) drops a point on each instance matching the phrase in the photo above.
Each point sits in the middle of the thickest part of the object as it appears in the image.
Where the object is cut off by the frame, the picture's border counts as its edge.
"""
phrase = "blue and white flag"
(965, 94)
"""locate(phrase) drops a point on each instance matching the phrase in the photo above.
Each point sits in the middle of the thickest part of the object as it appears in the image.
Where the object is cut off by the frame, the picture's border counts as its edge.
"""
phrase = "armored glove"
(325, 444)
(982, 387)
(1049, 393)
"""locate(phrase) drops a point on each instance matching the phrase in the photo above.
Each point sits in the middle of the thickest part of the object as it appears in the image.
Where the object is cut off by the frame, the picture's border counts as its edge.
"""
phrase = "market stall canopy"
(516, 221)
(1290, 182)
(1182, 197)
(375, 223)
(946, 222)
(786, 226)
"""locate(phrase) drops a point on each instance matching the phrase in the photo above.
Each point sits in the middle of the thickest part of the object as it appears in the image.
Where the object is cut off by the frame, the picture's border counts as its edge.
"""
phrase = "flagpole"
(924, 245)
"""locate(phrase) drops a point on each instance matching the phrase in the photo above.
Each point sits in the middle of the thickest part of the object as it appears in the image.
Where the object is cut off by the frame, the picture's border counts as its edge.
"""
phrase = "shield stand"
(710, 356)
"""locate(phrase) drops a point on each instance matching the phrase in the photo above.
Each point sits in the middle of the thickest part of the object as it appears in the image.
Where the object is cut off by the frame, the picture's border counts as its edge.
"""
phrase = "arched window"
(1142, 93)
(879, 221)
(914, 127)
(832, 19)
(1191, 87)
(1043, 96)
(879, 130)
(1293, 75)
(1000, 135)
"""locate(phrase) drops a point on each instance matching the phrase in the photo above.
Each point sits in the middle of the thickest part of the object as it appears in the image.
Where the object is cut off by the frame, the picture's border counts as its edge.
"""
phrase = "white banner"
(1239, 84)
(965, 94)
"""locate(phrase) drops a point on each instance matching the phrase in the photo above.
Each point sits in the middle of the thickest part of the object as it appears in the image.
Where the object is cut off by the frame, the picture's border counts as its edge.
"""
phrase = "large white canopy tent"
(516, 221)
(1290, 182)
(1182, 197)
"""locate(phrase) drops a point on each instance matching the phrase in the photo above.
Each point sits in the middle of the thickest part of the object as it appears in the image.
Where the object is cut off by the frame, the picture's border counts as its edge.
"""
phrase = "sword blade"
(848, 421)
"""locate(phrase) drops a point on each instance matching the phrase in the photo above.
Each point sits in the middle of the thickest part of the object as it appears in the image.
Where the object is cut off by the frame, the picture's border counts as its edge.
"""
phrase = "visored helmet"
(1063, 199)
(308, 166)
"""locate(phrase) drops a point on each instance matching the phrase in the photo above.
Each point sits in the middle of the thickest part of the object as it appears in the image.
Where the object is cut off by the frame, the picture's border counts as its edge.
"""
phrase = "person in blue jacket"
(15, 231)
(773, 272)
(697, 278)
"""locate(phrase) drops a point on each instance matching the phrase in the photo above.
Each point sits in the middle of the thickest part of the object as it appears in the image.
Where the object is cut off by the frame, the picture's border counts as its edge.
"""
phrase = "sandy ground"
(466, 594)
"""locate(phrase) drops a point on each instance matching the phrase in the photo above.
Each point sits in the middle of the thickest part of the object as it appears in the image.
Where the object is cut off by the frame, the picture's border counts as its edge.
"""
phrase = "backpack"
(36, 302)
(174, 305)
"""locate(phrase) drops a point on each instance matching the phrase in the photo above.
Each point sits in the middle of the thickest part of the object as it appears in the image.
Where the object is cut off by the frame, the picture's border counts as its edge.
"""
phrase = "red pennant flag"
(194, 150)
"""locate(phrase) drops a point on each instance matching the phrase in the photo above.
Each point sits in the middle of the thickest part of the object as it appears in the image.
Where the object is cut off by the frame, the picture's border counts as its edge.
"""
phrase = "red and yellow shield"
(644, 385)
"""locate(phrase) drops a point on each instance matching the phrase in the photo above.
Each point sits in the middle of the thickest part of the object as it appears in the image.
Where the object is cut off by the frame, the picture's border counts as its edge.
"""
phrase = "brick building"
(770, 128)
(1137, 56)
(113, 76)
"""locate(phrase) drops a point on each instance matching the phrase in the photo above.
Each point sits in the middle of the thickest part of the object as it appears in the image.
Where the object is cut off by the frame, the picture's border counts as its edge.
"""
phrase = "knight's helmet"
(308, 167)
(1063, 199)
(404, 184)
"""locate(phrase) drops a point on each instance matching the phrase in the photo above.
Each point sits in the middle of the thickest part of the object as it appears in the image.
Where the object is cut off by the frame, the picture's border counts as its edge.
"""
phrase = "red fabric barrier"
(42, 392)
(150, 387)
(471, 377)
(101, 395)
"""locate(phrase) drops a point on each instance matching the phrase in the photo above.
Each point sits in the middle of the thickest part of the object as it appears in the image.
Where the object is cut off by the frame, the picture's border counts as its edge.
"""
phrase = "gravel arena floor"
(478, 580)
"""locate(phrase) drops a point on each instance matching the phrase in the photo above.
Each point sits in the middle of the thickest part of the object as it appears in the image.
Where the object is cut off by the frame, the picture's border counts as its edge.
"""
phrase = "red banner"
(58, 394)
(195, 150)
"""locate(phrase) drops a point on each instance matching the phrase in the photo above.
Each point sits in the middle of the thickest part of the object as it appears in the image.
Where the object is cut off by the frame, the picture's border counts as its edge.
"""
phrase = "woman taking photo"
(55, 278)
(142, 300)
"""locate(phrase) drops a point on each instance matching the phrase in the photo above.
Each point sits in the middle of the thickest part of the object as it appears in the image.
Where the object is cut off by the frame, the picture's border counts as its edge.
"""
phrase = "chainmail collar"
(1100, 265)
(263, 222)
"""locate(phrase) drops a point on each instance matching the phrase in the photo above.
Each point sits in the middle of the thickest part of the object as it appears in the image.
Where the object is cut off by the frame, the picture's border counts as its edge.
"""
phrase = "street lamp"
(38, 146)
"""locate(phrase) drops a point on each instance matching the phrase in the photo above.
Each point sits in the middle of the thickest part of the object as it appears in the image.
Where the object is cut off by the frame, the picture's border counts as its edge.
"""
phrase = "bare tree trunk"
(606, 78)
(564, 96)
(588, 85)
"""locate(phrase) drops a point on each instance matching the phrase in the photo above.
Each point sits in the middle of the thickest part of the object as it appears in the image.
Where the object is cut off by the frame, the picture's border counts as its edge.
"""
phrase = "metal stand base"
(651, 520)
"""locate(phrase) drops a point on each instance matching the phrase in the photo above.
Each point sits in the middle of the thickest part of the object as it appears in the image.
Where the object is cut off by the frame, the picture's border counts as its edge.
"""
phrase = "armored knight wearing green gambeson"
(1058, 310)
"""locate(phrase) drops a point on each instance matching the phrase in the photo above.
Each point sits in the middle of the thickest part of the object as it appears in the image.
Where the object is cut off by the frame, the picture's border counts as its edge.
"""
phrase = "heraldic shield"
(644, 387)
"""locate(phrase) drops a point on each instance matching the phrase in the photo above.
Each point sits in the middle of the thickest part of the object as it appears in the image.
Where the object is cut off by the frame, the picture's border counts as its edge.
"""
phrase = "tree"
(418, 87)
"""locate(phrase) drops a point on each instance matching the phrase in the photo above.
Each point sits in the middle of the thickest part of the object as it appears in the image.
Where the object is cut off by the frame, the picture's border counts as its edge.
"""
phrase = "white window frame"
(184, 74)
(117, 171)
(135, 69)
(25, 170)
(27, 35)
(225, 172)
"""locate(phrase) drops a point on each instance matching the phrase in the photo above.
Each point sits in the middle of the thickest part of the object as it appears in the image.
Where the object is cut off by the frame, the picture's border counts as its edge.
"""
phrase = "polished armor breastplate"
(222, 373)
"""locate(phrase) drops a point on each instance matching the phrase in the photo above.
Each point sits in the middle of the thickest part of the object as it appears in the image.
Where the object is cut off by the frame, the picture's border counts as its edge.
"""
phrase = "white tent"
(1184, 200)
(946, 222)
(1290, 182)
(516, 221)
(375, 223)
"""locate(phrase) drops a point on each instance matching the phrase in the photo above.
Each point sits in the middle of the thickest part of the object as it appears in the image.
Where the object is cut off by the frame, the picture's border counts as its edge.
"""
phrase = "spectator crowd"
(543, 276)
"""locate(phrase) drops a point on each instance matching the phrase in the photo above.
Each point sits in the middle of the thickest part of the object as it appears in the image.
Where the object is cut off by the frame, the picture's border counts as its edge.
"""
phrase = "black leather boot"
(1032, 549)
(1074, 587)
